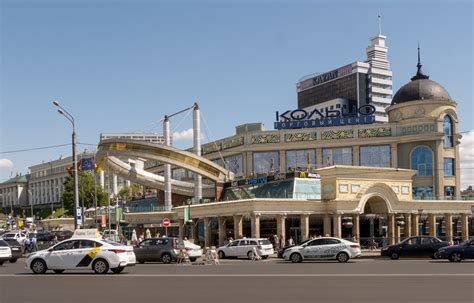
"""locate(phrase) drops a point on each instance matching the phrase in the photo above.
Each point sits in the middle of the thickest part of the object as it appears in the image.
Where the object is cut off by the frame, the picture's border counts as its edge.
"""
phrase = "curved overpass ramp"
(114, 148)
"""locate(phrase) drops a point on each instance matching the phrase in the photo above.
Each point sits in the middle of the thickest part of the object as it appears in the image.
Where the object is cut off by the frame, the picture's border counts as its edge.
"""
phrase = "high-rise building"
(355, 84)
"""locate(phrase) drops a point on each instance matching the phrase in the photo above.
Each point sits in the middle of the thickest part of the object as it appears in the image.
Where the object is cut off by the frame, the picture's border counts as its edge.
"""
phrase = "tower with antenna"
(380, 75)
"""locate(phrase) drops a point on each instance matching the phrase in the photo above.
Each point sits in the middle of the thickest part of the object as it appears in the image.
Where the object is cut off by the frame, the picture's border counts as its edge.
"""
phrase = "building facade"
(13, 192)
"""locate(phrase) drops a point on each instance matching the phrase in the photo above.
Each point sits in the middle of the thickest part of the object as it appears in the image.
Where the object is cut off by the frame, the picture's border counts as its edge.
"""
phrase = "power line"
(34, 148)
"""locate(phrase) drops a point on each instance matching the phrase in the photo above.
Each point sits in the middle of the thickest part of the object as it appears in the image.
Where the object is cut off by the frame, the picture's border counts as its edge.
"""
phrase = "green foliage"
(126, 193)
(86, 192)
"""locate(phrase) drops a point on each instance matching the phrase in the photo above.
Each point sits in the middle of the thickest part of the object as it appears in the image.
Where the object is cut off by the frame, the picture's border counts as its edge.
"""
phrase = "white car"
(5, 252)
(244, 248)
(15, 235)
(194, 251)
(323, 249)
(82, 253)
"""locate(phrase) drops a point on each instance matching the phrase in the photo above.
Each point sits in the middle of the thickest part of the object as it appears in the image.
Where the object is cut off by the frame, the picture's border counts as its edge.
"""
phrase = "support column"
(356, 155)
(319, 158)
(238, 227)
(181, 229)
(102, 179)
(281, 228)
(222, 230)
(194, 232)
(407, 228)
(464, 227)
(356, 227)
(207, 232)
(115, 184)
(397, 232)
(255, 225)
(448, 220)
(327, 225)
(391, 229)
(415, 225)
(197, 150)
(394, 154)
(304, 225)
(432, 222)
(167, 172)
(337, 225)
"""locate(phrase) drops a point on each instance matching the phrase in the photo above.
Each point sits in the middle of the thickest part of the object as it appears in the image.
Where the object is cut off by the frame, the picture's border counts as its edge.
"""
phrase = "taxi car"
(82, 251)
(244, 248)
(327, 248)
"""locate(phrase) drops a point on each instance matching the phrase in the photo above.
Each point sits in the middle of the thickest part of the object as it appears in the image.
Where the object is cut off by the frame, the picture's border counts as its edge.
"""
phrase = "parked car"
(15, 235)
(283, 249)
(323, 249)
(418, 246)
(5, 252)
(62, 234)
(165, 249)
(194, 251)
(110, 234)
(243, 248)
(42, 236)
(82, 253)
(456, 253)
(15, 248)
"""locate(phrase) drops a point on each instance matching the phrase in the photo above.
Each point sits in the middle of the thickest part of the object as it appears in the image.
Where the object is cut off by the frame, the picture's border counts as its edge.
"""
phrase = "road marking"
(235, 275)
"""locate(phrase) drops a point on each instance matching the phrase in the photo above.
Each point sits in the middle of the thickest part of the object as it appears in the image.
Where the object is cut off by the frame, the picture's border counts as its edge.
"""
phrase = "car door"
(88, 250)
(143, 250)
(243, 248)
(425, 247)
(469, 250)
(158, 247)
(330, 248)
(231, 249)
(410, 247)
(62, 256)
(312, 250)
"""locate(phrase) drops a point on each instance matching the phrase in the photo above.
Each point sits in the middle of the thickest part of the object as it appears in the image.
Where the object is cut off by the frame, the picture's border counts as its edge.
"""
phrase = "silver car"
(244, 248)
(323, 249)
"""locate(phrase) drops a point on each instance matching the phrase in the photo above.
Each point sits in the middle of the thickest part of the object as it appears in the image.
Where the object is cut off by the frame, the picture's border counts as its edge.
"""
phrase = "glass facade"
(448, 167)
(448, 131)
(233, 163)
(378, 156)
(265, 162)
(423, 192)
(300, 159)
(340, 156)
(422, 161)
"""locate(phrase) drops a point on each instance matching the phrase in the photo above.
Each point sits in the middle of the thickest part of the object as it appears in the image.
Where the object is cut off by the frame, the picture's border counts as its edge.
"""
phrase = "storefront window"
(300, 159)
(448, 167)
(449, 191)
(337, 156)
(422, 161)
(448, 131)
(265, 162)
(423, 193)
(235, 164)
(378, 156)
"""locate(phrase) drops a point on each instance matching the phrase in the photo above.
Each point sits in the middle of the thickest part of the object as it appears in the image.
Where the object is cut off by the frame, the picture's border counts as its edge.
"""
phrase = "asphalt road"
(366, 280)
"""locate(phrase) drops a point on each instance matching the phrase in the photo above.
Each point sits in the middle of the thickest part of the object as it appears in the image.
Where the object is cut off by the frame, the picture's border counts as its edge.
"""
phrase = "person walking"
(26, 245)
(291, 242)
(34, 244)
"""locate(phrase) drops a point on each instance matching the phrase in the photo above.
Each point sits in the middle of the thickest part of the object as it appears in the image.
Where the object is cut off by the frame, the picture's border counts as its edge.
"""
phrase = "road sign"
(79, 215)
(166, 222)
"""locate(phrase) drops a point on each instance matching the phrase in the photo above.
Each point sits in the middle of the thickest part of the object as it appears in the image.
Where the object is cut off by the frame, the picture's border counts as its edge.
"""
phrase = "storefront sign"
(300, 118)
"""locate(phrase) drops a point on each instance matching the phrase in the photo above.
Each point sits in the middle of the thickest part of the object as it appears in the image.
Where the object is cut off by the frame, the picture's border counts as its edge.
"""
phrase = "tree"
(86, 192)
(126, 193)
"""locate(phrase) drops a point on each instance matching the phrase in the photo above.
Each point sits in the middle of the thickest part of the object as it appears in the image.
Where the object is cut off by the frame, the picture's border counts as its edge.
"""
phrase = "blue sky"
(118, 66)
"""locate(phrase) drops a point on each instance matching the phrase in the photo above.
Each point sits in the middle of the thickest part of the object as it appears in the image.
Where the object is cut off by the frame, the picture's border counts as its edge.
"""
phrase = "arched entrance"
(373, 222)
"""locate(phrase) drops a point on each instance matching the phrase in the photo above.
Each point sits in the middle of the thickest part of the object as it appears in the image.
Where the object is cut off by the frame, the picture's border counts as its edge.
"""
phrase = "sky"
(120, 66)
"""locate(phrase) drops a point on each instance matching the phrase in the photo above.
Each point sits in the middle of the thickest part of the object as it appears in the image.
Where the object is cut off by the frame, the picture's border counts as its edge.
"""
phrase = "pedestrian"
(134, 237)
(291, 242)
(26, 245)
(276, 242)
(157, 235)
(34, 245)
(148, 234)
(141, 238)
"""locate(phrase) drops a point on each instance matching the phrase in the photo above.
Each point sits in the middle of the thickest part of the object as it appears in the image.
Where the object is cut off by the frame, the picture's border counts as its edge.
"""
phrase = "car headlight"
(385, 248)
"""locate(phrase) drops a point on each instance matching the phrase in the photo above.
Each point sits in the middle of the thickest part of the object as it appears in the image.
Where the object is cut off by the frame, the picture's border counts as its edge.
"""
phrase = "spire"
(380, 24)
(419, 72)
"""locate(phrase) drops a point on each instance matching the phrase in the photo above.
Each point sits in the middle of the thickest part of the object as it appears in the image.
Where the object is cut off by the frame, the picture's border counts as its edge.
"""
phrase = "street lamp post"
(30, 199)
(68, 116)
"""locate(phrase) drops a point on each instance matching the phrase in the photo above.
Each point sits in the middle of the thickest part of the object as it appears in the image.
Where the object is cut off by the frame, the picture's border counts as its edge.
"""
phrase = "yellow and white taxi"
(84, 250)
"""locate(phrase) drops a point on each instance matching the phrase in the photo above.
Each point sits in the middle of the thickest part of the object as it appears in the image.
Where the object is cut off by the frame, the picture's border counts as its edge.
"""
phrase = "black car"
(456, 253)
(164, 249)
(419, 246)
(16, 250)
(62, 235)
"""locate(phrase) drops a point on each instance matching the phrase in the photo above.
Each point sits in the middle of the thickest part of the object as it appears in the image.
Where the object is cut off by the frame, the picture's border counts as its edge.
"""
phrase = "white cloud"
(5, 163)
(183, 135)
(466, 152)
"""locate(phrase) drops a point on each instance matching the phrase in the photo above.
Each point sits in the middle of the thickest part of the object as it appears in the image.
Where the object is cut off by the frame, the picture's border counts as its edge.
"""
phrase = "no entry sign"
(166, 222)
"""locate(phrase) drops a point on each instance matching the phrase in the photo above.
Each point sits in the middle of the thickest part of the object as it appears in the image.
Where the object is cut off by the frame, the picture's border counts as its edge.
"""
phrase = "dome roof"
(420, 89)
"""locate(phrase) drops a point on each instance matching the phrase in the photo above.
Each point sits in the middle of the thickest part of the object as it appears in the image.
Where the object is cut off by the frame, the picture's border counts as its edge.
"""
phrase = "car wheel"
(166, 258)
(296, 258)
(13, 260)
(192, 259)
(394, 255)
(100, 266)
(435, 255)
(38, 266)
(250, 255)
(221, 255)
(342, 257)
(1, 263)
(58, 271)
(117, 270)
(455, 257)
(141, 262)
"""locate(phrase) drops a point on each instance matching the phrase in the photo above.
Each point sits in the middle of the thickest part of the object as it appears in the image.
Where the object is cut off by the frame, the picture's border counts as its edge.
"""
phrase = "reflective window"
(422, 161)
(264, 162)
(378, 156)
(337, 156)
(448, 131)
(448, 167)
(235, 164)
(331, 241)
(423, 192)
(449, 191)
(67, 245)
(426, 240)
(316, 242)
(300, 159)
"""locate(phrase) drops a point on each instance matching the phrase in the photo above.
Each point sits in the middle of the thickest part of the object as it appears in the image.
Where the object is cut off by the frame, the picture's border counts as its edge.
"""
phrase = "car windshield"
(264, 242)
(467, 242)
